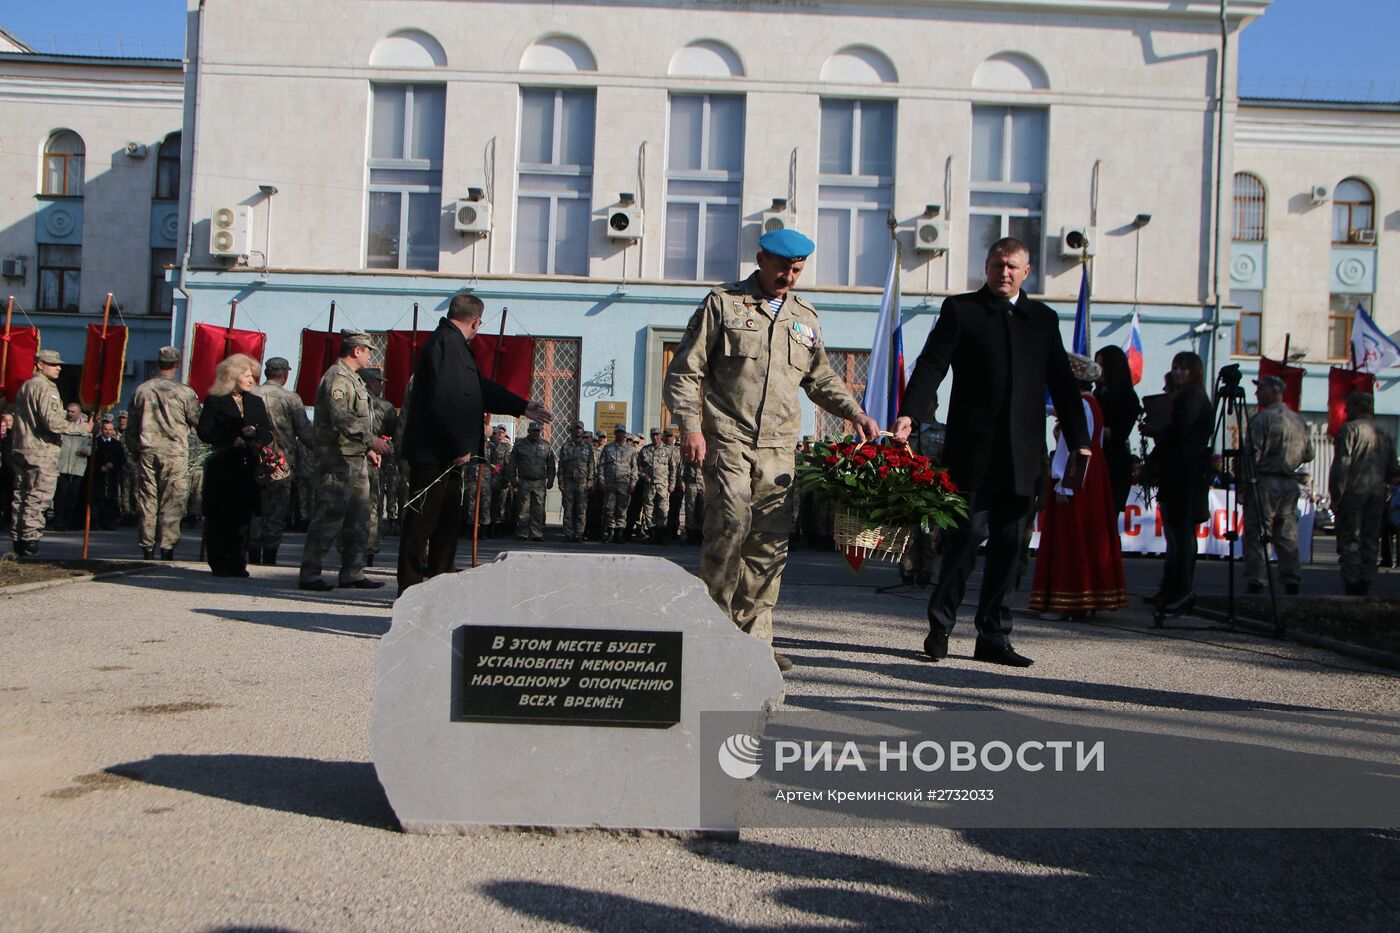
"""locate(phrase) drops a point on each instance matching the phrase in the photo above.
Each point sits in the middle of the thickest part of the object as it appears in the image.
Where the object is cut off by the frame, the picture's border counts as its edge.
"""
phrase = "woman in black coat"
(1121, 407)
(235, 421)
(1183, 462)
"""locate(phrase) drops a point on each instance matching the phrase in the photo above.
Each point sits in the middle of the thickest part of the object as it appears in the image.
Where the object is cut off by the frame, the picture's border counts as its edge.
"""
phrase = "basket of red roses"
(882, 492)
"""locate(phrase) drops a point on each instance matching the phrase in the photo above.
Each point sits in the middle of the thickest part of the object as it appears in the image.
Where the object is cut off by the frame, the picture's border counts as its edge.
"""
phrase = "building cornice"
(116, 93)
(1252, 130)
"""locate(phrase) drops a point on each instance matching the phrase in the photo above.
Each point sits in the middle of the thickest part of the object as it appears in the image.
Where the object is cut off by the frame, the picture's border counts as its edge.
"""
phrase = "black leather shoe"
(315, 586)
(999, 653)
(167, 553)
(784, 662)
(148, 553)
(363, 584)
(936, 646)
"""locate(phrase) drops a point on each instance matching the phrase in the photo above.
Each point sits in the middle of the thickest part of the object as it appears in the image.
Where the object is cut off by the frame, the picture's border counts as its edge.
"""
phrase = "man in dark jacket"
(1005, 350)
(446, 406)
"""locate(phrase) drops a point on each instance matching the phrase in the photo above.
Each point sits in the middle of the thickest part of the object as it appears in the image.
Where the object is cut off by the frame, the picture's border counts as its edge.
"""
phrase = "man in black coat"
(1005, 350)
(445, 430)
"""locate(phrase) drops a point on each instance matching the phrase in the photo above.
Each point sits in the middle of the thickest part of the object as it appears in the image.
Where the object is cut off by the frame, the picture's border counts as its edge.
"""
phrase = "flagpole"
(96, 421)
(5, 345)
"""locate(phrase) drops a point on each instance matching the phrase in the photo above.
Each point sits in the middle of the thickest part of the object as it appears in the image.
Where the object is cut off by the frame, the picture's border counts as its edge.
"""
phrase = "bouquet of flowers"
(881, 493)
(273, 462)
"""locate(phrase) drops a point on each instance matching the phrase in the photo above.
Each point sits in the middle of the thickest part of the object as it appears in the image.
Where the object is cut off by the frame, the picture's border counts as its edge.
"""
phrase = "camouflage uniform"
(40, 425)
(617, 471)
(693, 476)
(290, 428)
(162, 421)
(577, 470)
(532, 470)
(304, 485)
(342, 429)
(384, 423)
(1279, 441)
(126, 482)
(657, 477)
(498, 469)
(917, 562)
(1364, 460)
(735, 377)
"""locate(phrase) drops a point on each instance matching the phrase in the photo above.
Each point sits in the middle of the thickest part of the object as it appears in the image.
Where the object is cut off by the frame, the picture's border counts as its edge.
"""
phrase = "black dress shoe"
(936, 646)
(362, 584)
(994, 652)
(315, 586)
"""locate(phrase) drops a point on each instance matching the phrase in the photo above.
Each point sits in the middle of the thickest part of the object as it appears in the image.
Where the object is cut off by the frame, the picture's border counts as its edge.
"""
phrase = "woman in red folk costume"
(1079, 565)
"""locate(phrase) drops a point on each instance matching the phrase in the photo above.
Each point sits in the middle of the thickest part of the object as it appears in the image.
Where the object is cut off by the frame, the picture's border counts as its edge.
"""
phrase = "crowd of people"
(252, 463)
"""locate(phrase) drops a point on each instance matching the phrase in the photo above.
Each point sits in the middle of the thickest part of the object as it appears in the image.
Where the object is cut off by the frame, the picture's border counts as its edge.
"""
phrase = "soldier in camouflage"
(126, 482)
(655, 484)
(617, 474)
(384, 423)
(532, 471)
(1363, 463)
(40, 426)
(496, 501)
(163, 417)
(1280, 444)
(577, 468)
(693, 517)
(343, 430)
(733, 384)
(290, 430)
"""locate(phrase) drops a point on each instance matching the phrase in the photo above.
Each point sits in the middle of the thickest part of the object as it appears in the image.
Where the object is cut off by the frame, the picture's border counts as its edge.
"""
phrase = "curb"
(1374, 656)
(17, 588)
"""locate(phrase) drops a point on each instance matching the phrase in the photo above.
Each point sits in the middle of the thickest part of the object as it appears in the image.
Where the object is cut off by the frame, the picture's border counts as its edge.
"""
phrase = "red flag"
(212, 345)
(513, 366)
(319, 349)
(400, 356)
(19, 361)
(1340, 384)
(1292, 377)
(103, 361)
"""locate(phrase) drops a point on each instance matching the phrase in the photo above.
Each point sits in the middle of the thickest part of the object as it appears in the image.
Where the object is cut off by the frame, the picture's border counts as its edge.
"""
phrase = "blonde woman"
(235, 421)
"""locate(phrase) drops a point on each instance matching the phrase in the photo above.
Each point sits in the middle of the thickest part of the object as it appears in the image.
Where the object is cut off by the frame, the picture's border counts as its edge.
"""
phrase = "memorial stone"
(559, 690)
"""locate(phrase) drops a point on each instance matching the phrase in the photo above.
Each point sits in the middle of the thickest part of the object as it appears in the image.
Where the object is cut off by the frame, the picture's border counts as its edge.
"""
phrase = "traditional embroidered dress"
(1079, 566)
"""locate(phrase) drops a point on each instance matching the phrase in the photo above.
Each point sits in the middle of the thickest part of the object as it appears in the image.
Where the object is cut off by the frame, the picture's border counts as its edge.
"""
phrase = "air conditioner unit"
(228, 230)
(472, 217)
(777, 220)
(1366, 237)
(1321, 194)
(625, 223)
(12, 268)
(1077, 242)
(930, 234)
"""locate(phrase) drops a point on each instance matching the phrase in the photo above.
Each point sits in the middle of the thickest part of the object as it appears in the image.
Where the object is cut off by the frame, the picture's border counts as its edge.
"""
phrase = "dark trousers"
(1179, 567)
(429, 526)
(69, 500)
(999, 517)
(226, 544)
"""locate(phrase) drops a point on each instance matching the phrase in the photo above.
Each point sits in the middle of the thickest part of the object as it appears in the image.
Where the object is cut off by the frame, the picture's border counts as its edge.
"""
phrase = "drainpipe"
(1216, 230)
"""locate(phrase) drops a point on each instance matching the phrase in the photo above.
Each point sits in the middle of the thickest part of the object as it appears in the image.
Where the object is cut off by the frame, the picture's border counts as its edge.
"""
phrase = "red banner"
(23, 344)
(319, 349)
(400, 356)
(103, 360)
(1340, 384)
(512, 366)
(214, 344)
(1292, 377)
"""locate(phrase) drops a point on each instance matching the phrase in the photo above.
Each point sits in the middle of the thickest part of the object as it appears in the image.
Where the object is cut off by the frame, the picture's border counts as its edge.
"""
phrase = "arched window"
(168, 169)
(63, 165)
(1249, 208)
(1353, 213)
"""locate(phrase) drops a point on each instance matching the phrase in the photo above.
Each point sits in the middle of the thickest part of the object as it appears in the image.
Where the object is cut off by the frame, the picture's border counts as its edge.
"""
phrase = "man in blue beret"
(732, 387)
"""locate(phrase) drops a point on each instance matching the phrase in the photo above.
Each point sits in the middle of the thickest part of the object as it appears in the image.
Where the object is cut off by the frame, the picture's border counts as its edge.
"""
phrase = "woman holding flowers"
(235, 421)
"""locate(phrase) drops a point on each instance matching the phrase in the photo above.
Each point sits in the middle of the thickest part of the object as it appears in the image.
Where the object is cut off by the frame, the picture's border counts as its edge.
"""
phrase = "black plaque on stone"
(570, 677)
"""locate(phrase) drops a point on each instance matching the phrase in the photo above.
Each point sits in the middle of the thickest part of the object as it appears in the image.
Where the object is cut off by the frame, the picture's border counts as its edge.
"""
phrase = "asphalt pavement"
(184, 752)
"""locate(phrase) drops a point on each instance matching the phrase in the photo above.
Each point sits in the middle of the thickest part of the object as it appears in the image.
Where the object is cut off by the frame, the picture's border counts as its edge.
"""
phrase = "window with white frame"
(1007, 191)
(64, 154)
(1353, 213)
(855, 192)
(556, 181)
(405, 176)
(704, 170)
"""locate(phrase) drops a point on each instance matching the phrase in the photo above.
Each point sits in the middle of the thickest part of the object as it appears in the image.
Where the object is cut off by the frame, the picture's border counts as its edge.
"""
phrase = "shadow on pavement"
(596, 910)
(328, 623)
(345, 791)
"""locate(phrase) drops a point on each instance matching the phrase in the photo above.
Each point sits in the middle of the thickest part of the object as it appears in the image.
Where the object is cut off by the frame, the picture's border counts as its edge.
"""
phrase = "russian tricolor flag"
(1132, 348)
(884, 382)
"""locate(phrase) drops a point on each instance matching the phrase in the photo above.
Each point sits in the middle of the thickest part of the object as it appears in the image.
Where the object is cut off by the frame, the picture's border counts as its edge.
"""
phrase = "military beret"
(168, 355)
(353, 338)
(48, 358)
(787, 243)
(277, 365)
(372, 373)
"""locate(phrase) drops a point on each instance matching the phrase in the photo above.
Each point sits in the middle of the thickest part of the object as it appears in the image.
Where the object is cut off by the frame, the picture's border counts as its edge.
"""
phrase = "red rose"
(831, 460)
(923, 477)
(884, 471)
(946, 482)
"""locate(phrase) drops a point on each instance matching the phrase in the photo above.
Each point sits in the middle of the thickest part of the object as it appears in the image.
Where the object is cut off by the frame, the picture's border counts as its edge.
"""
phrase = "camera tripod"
(1230, 406)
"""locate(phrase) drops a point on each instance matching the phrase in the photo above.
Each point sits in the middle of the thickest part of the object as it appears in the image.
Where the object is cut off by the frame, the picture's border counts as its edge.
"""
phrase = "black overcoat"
(1004, 356)
(231, 489)
(449, 399)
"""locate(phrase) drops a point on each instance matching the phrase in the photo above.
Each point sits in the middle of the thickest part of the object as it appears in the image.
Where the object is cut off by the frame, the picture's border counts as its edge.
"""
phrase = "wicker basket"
(855, 533)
